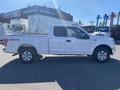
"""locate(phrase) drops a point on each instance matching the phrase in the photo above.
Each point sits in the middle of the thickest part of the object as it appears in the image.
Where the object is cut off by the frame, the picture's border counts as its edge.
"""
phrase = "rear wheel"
(101, 55)
(28, 55)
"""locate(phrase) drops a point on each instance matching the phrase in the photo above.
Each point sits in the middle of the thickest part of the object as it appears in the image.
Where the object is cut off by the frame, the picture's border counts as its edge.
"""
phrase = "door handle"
(68, 40)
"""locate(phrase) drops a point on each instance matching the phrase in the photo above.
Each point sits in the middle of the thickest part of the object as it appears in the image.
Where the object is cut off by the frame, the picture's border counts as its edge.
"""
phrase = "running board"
(15, 54)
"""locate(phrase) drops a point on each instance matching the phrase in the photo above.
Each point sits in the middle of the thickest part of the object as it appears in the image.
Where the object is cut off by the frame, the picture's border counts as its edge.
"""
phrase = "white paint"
(32, 86)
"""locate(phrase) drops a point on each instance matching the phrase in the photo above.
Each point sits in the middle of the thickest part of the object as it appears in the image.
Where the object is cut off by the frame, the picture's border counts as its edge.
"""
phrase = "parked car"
(102, 31)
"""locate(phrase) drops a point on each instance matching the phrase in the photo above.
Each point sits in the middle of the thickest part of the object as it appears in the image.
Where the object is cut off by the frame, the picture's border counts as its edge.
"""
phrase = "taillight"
(4, 42)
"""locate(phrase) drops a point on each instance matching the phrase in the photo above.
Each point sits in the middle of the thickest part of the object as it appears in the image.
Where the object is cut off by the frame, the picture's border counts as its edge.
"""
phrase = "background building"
(25, 12)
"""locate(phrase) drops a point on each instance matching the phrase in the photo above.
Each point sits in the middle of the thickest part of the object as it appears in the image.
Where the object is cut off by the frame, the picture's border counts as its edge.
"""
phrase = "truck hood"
(101, 34)
(102, 39)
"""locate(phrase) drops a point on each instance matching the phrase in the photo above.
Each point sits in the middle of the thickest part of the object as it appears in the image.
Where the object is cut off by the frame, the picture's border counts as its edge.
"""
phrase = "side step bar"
(15, 54)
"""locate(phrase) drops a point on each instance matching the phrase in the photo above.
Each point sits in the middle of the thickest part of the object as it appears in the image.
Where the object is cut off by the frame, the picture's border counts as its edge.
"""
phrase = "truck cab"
(73, 40)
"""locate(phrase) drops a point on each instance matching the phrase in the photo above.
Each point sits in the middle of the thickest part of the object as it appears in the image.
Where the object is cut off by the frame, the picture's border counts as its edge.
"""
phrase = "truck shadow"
(70, 72)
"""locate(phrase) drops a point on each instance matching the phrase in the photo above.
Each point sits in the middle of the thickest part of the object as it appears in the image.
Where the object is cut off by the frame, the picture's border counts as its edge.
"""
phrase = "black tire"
(101, 55)
(27, 55)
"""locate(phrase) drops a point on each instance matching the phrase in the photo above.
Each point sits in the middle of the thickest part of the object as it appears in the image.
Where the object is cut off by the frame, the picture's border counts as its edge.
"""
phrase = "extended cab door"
(57, 40)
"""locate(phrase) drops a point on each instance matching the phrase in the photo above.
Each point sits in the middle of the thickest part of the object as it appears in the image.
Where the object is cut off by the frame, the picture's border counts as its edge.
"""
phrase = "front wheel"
(101, 55)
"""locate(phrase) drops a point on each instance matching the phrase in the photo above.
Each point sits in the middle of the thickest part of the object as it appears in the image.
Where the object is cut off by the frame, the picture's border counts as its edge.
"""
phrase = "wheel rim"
(27, 56)
(102, 56)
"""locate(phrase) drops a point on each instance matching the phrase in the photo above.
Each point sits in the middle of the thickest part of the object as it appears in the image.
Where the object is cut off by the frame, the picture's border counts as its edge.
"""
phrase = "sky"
(84, 10)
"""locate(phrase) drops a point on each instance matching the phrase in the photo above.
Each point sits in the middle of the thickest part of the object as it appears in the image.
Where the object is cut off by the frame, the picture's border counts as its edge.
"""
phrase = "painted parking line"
(31, 86)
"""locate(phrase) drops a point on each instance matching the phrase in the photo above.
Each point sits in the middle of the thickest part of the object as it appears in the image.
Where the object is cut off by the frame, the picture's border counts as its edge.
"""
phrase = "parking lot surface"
(56, 72)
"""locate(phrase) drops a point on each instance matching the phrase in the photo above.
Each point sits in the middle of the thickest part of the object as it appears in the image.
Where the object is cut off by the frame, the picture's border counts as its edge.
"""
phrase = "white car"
(102, 31)
(107, 34)
(61, 40)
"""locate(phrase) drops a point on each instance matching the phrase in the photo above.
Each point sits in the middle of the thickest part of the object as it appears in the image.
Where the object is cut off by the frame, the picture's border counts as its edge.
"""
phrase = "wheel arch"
(26, 46)
(104, 46)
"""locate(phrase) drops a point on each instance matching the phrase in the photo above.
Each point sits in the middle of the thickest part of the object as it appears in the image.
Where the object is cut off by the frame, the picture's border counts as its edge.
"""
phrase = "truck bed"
(40, 42)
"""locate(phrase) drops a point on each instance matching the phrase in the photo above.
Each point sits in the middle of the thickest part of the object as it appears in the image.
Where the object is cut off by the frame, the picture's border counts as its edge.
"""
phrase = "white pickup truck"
(61, 40)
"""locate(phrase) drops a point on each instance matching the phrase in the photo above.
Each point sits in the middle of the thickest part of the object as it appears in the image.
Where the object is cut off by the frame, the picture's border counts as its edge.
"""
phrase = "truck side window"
(60, 32)
(77, 33)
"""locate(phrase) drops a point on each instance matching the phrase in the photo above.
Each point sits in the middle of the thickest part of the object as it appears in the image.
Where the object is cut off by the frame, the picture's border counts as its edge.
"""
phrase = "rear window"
(60, 32)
